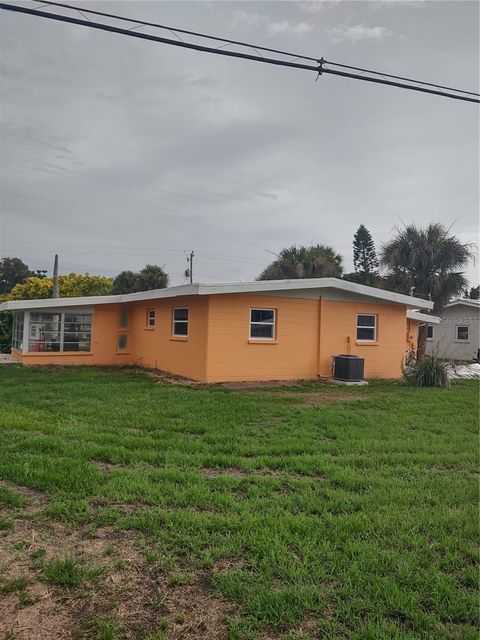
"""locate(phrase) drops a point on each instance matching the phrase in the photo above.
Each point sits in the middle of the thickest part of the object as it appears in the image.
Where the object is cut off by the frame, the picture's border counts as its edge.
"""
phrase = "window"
(151, 317)
(367, 328)
(462, 332)
(17, 331)
(262, 324)
(429, 331)
(77, 329)
(65, 331)
(123, 317)
(122, 341)
(180, 322)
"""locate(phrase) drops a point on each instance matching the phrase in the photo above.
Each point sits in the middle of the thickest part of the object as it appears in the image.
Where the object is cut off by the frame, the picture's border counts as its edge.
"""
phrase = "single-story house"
(263, 330)
(457, 336)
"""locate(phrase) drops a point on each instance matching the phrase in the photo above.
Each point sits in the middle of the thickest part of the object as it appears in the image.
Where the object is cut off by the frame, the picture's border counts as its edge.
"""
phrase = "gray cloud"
(118, 152)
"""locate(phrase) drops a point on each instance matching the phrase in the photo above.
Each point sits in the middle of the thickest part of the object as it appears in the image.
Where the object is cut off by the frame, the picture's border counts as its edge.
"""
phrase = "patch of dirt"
(164, 377)
(138, 595)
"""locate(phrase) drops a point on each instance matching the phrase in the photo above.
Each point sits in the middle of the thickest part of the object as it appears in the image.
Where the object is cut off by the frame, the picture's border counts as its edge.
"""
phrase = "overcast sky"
(118, 152)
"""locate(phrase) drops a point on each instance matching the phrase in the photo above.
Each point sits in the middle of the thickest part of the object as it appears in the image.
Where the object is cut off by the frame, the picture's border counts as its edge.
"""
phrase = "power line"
(125, 250)
(318, 67)
(257, 48)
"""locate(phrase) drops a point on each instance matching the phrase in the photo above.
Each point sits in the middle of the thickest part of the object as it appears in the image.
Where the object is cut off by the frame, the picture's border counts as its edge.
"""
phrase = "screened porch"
(58, 331)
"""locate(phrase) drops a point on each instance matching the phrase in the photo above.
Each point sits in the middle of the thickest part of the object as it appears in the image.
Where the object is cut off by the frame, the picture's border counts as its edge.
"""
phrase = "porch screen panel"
(17, 330)
(60, 332)
(45, 332)
(77, 331)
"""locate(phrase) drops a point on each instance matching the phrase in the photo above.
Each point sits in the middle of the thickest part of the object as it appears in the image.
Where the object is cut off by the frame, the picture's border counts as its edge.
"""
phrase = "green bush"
(6, 322)
(429, 371)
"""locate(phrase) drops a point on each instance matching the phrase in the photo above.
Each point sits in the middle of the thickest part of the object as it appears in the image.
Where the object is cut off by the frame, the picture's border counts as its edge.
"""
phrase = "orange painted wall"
(157, 348)
(231, 356)
(412, 334)
(218, 347)
(338, 323)
(103, 346)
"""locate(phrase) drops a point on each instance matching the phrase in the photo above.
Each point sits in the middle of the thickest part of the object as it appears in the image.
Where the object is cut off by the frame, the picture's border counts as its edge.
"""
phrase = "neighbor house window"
(17, 331)
(367, 327)
(122, 341)
(151, 317)
(180, 322)
(61, 331)
(429, 331)
(262, 324)
(462, 332)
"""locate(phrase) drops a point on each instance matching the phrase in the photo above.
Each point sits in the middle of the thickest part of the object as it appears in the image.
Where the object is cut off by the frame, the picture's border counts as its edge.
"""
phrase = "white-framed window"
(180, 322)
(429, 331)
(151, 318)
(462, 332)
(366, 327)
(262, 324)
(59, 331)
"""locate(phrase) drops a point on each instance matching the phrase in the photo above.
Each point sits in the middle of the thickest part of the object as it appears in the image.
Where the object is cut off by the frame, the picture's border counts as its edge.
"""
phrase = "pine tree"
(365, 260)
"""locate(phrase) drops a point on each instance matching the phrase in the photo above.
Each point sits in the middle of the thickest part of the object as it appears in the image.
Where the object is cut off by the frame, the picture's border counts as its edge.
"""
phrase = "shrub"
(429, 371)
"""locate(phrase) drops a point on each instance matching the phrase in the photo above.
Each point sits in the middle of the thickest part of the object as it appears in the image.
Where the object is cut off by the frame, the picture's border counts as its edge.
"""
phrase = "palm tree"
(152, 277)
(428, 262)
(317, 261)
(125, 282)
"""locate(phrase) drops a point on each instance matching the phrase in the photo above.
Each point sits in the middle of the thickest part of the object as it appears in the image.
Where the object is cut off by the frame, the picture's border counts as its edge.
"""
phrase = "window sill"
(462, 341)
(149, 328)
(122, 353)
(366, 343)
(261, 341)
(179, 338)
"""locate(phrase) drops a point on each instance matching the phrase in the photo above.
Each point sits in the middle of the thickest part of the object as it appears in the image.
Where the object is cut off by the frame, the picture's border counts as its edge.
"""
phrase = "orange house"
(263, 330)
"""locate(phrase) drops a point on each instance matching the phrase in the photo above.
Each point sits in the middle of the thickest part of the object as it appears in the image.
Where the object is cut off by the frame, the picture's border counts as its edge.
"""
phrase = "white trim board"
(467, 302)
(258, 286)
(422, 317)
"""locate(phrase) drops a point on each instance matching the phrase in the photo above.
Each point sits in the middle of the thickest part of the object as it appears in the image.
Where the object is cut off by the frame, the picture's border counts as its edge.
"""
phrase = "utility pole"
(189, 269)
(56, 289)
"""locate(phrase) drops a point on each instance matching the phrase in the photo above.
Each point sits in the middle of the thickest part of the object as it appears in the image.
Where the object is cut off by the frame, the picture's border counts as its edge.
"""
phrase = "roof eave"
(233, 287)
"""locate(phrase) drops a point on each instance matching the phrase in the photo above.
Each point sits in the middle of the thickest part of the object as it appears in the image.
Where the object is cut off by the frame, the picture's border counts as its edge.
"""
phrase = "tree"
(71, 286)
(427, 262)
(125, 282)
(153, 277)
(317, 261)
(474, 293)
(6, 323)
(150, 277)
(365, 260)
(12, 271)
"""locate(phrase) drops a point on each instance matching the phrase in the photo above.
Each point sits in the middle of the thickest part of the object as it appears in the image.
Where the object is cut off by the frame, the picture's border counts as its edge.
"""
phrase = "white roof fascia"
(467, 302)
(413, 314)
(316, 283)
(265, 286)
(47, 303)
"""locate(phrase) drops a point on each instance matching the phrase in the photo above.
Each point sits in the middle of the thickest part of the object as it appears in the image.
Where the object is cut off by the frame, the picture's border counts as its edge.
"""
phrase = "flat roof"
(200, 289)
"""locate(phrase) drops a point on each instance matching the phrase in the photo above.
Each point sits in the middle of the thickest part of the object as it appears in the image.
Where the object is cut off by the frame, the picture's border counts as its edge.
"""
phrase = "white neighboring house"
(457, 336)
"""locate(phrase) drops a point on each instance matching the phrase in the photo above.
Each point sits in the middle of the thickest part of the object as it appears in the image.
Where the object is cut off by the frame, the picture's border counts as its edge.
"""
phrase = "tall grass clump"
(429, 371)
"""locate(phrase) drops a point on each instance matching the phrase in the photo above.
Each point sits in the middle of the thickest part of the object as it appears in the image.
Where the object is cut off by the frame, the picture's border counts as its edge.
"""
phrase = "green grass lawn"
(314, 512)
